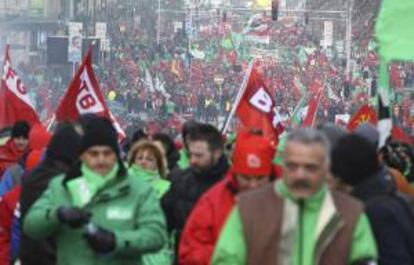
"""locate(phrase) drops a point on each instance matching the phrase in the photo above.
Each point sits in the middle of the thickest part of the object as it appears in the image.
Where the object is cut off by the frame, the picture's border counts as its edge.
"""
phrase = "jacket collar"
(378, 184)
(215, 173)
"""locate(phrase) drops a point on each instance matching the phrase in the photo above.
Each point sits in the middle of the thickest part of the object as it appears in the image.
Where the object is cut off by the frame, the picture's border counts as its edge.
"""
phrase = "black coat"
(34, 184)
(186, 188)
(390, 218)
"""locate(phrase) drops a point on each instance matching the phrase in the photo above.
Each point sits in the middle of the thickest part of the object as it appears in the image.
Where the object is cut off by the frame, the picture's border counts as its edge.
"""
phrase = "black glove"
(100, 240)
(72, 216)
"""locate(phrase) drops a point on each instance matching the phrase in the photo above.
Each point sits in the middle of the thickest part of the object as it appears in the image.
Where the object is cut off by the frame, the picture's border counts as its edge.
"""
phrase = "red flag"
(363, 115)
(84, 96)
(310, 118)
(399, 134)
(15, 103)
(256, 109)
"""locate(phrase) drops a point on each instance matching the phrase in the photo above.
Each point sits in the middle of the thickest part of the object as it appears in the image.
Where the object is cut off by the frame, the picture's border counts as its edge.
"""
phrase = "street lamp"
(219, 81)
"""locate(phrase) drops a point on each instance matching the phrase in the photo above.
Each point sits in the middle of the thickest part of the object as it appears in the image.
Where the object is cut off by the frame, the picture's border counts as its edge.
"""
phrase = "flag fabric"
(313, 106)
(84, 96)
(256, 109)
(15, 103)
(296, 119)
(394, 30)
(384, 118)
(365, 114)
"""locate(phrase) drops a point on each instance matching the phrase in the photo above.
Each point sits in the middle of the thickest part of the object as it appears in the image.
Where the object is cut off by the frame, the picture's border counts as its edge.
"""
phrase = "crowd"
(326, 196)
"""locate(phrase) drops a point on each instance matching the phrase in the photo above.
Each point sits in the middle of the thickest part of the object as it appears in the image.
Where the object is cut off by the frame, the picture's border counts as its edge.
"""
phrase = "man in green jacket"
(97, 213)
(297, 220)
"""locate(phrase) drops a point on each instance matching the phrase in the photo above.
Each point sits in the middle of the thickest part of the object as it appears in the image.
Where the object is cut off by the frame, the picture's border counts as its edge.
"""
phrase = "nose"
(253, 183)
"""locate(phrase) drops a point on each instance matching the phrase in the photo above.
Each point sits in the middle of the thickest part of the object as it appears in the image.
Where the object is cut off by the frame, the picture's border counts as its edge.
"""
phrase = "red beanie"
(252, 155)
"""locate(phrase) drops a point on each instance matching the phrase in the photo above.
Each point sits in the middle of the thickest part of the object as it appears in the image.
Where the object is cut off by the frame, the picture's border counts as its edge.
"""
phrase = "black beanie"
(99, 131)
(354, 159)
(20, 129)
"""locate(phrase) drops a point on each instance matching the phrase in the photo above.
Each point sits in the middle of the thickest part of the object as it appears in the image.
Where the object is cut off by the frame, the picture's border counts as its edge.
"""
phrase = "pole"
(349, 40)
(159, 22)
(238, 97)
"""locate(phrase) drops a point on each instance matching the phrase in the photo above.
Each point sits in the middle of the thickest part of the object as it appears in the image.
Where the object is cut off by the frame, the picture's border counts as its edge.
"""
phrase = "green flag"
(395, 30)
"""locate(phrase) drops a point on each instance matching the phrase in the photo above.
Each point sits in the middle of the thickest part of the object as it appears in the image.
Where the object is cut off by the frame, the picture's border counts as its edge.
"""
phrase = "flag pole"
(238, 97)
(51, 123)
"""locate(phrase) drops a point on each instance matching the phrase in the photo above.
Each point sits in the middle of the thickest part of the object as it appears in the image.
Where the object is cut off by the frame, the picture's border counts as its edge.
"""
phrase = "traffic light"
(224, 16)
(275, 9)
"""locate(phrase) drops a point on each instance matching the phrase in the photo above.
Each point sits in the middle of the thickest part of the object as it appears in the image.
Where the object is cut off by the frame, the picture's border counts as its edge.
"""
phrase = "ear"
(217, 154)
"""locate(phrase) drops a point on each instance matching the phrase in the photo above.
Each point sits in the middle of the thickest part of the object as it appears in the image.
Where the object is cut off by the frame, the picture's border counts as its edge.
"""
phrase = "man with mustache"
(297, 220)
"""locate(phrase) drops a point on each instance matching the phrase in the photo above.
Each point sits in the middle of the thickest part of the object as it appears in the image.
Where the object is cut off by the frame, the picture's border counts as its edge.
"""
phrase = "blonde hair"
(145, 145)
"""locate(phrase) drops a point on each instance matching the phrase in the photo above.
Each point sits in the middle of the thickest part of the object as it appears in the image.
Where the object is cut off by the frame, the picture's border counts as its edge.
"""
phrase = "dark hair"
(170, 149)
(20, 129)
(209, 134)
(354, 159)
(188, 128)
(138, 136)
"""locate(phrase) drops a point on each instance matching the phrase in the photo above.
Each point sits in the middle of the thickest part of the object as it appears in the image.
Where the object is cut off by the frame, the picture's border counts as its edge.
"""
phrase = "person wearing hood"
(10, 189)
(146, 161)
(39, 137)
(251, 168)
(297, 220)
(97, 213)
(58, 159)
(15, 147)
(208, 166)
(355, 160)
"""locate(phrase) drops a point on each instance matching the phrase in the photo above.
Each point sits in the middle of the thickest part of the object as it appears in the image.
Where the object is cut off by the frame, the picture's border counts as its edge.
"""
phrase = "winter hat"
(369, 132)
(99, 131)
(64, 145)
(252, 155)
(354, 159)
(39, 137)
(20, 129)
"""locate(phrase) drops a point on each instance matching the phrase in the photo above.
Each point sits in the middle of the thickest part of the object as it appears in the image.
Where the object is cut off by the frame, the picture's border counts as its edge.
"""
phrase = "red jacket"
(205, 222)
(8, 155)
(7, 206)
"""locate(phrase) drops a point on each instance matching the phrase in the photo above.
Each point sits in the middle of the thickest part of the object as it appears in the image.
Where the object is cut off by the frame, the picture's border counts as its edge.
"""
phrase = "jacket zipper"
(301, 248)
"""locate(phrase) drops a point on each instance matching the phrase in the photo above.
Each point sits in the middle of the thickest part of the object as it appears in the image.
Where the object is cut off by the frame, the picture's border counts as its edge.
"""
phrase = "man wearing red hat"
(252, 167)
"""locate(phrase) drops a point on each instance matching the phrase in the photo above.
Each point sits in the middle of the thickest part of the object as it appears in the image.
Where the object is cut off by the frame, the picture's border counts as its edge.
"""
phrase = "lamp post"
(219, 81)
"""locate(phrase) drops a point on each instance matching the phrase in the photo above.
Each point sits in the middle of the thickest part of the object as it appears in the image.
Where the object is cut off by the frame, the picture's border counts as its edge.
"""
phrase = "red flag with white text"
(256, 109)
(84, 96)
(15, 103)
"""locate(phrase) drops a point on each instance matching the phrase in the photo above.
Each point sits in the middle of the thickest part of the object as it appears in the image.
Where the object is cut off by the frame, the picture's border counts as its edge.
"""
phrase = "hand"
(99, 239)
(73, 216)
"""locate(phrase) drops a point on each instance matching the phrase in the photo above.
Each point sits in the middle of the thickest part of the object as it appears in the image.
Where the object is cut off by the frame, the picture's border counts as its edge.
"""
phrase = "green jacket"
(184, 161)
(161, 186)
(231, 247)
(126, 206)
